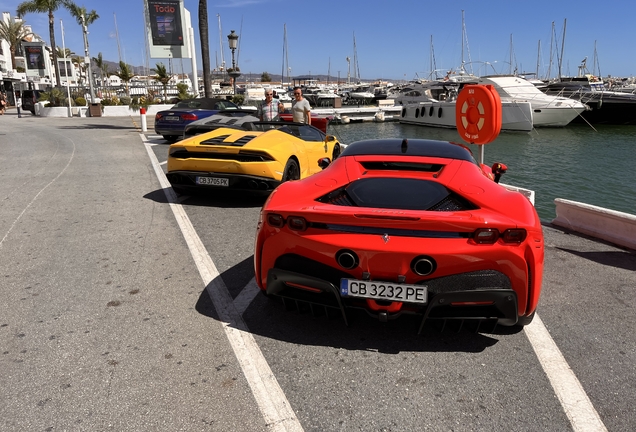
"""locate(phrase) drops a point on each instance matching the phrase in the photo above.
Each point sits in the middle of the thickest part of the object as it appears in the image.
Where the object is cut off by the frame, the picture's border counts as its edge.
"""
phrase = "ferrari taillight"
(516, 235)
(297, 223)
(491, 235)
(189, 117)
(486, 235)
(275, 220)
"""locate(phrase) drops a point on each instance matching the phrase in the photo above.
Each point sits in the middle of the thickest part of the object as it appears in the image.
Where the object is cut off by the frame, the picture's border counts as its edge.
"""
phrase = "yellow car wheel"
(292, 171)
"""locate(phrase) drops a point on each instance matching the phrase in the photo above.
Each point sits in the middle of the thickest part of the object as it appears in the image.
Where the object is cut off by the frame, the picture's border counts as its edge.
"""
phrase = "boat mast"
(356, 68)
(549, 73)
(536, 74)
(433, 65)
(117, 36)
(510, 68)
(222, 68)
(596, 63)
(282, 72)
(461, 68)
(562, 47)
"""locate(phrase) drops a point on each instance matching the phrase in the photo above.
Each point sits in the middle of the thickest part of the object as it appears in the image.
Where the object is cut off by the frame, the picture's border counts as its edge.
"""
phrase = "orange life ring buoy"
(478, 114)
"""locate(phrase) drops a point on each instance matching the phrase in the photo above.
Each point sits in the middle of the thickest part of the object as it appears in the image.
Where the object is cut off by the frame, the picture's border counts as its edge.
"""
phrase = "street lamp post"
(232, 39)
(87, 59)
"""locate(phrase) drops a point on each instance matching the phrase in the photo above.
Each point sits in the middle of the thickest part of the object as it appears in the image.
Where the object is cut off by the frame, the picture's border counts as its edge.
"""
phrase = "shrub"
(107, 102)
(238, 99)
(80, 101)
(55, 97)
(125, 100)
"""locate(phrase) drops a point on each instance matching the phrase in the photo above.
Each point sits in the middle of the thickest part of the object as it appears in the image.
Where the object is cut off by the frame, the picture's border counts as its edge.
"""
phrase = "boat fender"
(478, 114)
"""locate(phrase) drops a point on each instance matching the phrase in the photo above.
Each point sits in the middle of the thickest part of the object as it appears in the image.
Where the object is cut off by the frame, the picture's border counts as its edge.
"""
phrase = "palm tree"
(125, 74)
(99, 62)
(64, 54)
(205, 48)
(79, 65)
(84, 19)
(78, 12)
(13, 32)
(162, 75)
(49, 7)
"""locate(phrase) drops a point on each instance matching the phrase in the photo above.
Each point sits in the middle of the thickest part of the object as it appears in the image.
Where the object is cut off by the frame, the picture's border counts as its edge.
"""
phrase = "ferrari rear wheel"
(525, 320)
(292, 171)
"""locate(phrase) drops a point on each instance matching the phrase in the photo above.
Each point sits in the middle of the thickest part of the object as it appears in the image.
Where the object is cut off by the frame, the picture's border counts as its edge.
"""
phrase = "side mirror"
(330, 138)
(498, 169)
(324, 163)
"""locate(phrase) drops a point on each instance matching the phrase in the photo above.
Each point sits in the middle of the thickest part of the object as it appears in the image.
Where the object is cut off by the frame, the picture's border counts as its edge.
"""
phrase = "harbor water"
(594, 166)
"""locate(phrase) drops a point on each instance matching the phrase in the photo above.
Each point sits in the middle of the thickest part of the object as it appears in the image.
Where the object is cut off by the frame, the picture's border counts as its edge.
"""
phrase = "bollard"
(144, 124)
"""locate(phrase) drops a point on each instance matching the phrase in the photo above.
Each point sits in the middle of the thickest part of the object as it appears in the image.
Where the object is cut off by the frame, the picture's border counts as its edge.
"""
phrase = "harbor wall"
(610, 225)
(108, 110)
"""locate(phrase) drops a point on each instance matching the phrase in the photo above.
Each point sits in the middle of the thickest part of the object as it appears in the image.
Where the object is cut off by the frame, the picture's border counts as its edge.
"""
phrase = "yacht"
(606, 106)
(547, 110)
(435, 104)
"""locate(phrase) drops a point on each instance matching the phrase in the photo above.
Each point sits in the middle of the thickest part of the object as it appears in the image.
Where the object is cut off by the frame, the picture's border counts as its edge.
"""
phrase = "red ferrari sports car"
(403, 227)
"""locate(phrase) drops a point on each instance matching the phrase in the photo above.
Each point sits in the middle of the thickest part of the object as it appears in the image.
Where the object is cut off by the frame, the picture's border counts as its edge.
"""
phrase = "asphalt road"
(112, 319)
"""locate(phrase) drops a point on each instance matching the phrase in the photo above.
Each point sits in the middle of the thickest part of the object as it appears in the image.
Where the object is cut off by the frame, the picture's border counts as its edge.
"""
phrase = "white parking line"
(574, 400)
(246, 296)
(271, 401)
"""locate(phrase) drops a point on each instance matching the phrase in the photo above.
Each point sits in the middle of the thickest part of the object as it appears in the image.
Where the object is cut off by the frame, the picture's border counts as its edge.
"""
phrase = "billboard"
(165, 22)
(166, 28)
(34, 56)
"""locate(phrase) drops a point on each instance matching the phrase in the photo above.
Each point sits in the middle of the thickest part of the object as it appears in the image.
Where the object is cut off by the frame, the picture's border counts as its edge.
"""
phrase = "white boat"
(361, 93)
(434, 106)
(547, 110)
(515, 115)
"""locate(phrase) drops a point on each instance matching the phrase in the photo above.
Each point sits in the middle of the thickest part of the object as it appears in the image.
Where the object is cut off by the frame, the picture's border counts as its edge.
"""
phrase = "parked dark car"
(29, 99)
(234, 118)
(171, 123)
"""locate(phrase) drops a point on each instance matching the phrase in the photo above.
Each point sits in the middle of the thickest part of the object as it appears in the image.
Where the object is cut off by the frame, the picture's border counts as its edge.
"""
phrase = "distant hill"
(250, 77)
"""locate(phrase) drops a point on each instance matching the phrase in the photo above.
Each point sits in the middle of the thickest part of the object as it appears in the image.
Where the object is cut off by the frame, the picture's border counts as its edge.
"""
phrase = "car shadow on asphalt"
(220, 198)
(269, 318)
(98, 126)
(619, 259)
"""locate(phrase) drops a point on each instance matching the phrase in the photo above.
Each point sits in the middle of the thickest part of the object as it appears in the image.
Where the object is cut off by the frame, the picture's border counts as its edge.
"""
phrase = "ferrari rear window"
(399, 194)
(402, 166)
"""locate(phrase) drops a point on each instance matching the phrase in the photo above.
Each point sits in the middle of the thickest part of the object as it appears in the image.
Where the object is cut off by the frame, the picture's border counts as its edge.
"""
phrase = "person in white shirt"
(300, 107)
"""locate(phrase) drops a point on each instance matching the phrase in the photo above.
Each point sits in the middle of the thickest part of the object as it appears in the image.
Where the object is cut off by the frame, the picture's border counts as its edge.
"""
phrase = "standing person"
(300, 107)
(18, 103)
(270, 108)
(3, 102)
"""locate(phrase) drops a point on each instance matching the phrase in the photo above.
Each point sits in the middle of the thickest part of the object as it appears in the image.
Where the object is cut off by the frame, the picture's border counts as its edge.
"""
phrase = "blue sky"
(393, 39)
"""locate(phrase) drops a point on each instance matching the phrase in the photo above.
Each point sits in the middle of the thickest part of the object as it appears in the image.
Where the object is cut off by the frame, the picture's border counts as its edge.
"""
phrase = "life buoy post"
(478, 115)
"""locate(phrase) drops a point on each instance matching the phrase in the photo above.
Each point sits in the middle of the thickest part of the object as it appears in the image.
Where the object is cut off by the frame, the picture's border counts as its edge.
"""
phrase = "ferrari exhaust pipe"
(423, 265)
(253, 184)
(347, 259)
(263, 185)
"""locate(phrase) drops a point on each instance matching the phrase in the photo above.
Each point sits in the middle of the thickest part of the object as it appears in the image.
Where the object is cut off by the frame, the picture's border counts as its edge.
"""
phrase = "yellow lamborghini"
(259, 156)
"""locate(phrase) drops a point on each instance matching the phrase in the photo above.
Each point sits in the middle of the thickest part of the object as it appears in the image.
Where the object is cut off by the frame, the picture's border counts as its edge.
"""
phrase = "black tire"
(336, 152)
(171, 138)
(525, 320)
(291, 172)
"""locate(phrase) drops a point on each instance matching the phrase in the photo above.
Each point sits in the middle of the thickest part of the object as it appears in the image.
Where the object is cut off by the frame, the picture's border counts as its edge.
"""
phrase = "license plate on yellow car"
(213, 181)
(379, 290)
